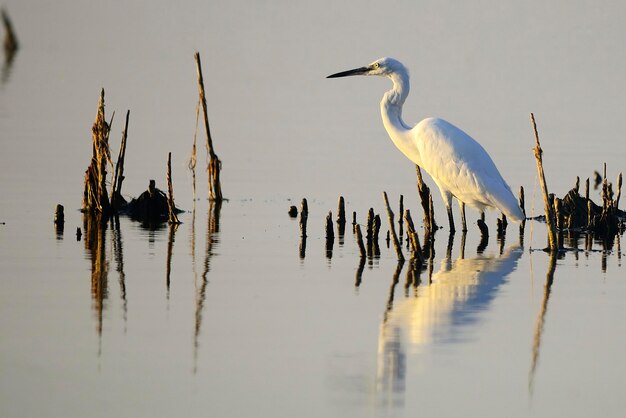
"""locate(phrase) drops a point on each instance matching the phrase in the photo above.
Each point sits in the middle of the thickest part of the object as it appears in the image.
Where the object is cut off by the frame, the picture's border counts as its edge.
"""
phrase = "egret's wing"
(461, 166)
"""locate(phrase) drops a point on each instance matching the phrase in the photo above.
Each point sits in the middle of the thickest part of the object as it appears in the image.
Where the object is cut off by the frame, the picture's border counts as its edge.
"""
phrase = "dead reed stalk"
(396, 243)
(10, 39)
(412, 236)
(215, 165)
(116, 190)
(193, 157)
(172, 218)
(95, 196)
(359, 240)
(427, 201)
(550, 222)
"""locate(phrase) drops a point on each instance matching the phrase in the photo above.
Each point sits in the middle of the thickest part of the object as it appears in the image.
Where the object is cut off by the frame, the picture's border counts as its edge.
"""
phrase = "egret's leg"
(447, 200)
(463, 223)
(451, 220)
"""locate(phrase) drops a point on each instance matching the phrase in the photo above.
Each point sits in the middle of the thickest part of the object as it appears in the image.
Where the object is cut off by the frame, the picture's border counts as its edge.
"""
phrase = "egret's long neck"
(391, 111)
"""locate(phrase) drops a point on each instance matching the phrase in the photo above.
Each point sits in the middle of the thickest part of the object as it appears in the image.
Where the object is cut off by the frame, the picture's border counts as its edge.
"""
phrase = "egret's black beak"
(356, 71)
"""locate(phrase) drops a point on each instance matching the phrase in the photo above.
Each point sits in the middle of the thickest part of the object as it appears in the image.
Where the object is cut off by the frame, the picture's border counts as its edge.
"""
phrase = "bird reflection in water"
(437, 313)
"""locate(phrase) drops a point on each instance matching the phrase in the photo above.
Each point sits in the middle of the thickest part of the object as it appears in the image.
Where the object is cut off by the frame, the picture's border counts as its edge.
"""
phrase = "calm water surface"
(224, 316)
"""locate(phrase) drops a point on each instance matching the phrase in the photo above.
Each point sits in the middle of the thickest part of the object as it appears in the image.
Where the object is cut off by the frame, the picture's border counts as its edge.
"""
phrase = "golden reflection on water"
(212, 237)
(95, 247)
(95, 234)
(541, 319)
(437, 312)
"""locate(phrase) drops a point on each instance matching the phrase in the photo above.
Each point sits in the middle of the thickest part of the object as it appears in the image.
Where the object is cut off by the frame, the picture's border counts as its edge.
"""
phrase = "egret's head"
(384, 67)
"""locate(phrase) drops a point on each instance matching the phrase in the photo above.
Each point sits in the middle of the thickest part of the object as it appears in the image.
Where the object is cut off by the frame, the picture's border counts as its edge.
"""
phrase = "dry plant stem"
(304, 215)
(426, 199)
(394, 237)
(193, 158)
(116, 190)
(215, 188)
(172, 218)
(413, 237)
(619, 190)
(359, 240)
(95, 197)
(552, 237)
(341, 211)
(330, 234)
(10, 39)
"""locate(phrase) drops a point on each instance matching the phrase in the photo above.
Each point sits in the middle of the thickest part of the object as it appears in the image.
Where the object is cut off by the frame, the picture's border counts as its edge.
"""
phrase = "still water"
(224, 315)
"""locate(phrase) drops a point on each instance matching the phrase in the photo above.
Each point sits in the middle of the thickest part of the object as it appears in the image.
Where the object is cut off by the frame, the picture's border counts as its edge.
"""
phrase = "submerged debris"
(150, 207)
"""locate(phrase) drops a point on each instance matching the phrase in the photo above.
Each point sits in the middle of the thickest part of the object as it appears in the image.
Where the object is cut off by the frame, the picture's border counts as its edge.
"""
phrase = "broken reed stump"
(341, 219)
(359, 240)
(95, 196)
(550, 222)
(215, 165)
(172, 218)
(304, 216)
(582, 213)
(375, 246)
(10, 39)
(369, 232)
(117, 201)
(191, 165)
(59, 216)
(396, 243)
(412, 236)
(330, 232)
(427, 201)
(59, 221)
(330, 235)
(501, 226)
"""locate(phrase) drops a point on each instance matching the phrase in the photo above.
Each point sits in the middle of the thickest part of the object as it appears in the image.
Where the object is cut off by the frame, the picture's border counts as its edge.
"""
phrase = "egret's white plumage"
(458, 164)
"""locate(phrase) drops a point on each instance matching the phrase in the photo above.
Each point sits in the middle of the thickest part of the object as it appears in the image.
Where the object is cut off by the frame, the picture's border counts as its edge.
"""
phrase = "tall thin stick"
(116, 189)
(10, 39)
(426, 198)
(412, 236)
(394, 237)
(552, 237)
(192, 158)
(215, 165)
(173, 219)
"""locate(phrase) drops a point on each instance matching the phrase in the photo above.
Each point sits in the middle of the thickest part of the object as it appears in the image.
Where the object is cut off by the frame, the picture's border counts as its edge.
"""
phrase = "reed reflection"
(170, 248)
(438, 312)
(541, 319)
(212, 238)
(95, 234)
(118, 255)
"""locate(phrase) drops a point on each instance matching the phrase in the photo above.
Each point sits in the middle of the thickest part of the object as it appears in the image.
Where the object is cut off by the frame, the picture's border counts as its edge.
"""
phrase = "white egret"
(458, 164)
